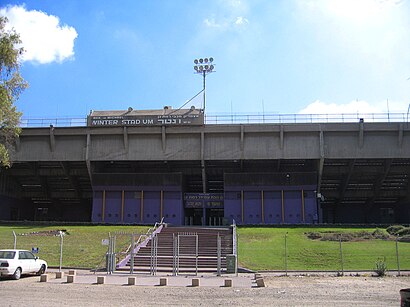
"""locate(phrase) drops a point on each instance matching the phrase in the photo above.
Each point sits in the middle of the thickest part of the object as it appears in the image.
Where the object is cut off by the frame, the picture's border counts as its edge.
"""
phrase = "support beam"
(52, 139)
(125, 133)
(204, 185)
(345, 181)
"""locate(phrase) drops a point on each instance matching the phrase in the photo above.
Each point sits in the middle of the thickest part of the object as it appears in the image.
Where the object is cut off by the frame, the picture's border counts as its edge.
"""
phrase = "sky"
(270, 56)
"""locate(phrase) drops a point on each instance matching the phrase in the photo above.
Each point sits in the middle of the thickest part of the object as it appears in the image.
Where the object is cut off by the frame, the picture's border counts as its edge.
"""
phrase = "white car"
(14, 262)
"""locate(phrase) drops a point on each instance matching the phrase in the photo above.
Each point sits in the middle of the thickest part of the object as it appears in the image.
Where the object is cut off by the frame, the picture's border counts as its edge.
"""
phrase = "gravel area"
(279, 291)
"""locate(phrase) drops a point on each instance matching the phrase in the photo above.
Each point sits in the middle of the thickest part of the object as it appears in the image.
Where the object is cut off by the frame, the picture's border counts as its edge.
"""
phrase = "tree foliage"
(11, 86)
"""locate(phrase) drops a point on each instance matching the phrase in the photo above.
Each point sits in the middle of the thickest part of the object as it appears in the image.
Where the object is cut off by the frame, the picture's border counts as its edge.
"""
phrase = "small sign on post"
(34, 250)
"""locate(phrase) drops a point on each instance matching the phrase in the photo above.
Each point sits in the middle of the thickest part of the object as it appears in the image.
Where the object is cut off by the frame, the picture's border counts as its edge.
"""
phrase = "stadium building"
(138, 167)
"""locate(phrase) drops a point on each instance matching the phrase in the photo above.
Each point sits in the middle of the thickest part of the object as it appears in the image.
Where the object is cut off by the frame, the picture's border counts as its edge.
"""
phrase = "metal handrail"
(241, 118)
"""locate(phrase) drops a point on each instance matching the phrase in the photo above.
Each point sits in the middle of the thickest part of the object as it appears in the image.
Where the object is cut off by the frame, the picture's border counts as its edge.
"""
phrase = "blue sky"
(290, 56)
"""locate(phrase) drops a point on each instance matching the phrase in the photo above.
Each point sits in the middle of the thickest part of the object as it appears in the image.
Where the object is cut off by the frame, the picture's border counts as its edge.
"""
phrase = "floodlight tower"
(204, 66)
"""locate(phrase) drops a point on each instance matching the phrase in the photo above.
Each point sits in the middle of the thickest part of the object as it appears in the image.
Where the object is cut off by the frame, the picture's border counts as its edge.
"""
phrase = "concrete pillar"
(260, 282)
(163, 281)
(59, 275)
(70, 279)
(44, 278)
(72, 272)
(195, 282)
(228, 283)
(100, 280)
(131, 281)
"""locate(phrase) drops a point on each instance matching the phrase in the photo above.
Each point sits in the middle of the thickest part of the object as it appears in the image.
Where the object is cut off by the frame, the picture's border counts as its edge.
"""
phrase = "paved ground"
(296, 290)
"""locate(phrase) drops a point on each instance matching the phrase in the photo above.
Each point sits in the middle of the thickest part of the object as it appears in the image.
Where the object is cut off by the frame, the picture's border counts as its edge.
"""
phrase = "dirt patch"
(349, 236)
(279, 291)
(45, 233)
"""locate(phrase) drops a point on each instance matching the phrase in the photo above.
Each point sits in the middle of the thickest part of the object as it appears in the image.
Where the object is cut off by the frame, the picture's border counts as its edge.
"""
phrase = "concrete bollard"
(100, 280)
(70, 279)
(228, 283)
(163, 281)
(43, 278)
(72, 272)
(59, 275)
(260, 282)
(195, 282)
(131, 281)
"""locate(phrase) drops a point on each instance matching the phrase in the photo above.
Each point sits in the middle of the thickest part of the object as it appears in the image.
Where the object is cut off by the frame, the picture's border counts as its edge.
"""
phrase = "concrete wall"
(217, 142)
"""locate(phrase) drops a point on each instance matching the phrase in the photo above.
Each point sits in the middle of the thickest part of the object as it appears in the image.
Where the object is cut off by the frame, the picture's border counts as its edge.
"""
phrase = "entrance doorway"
(214, 217)
(194, 216)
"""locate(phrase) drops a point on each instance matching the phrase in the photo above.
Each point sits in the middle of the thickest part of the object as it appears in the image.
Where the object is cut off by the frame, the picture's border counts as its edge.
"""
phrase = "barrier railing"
(238, 118)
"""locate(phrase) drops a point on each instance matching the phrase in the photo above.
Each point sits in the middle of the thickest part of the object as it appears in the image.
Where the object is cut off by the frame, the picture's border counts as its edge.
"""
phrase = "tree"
(11, 86)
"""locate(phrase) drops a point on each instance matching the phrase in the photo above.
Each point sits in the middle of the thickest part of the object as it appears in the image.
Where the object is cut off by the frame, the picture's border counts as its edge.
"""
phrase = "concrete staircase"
(207, 250)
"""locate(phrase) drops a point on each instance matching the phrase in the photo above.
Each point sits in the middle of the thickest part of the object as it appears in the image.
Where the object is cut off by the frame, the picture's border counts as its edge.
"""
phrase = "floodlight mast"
(204, 66)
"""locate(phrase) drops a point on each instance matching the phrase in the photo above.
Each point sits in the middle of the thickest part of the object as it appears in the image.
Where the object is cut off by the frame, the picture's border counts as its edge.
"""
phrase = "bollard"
(131, 281)
(228, 283)
(100, 280)
(405, 297)
(70, 279)
(257, 276)
(72, 272)
(59, 275)
(260, 282)
(163, 281)
(195, 282)
(43, 278)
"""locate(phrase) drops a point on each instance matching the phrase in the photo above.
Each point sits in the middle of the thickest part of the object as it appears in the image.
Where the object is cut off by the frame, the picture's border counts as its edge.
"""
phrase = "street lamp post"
(204, 66)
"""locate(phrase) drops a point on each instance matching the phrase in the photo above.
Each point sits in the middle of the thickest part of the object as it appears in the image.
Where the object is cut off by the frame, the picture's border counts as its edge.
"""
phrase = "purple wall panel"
(112, 207)
(132, 207)
(273, 207)
(96, 216)
(173, 208)
(293, 207)
(252, 207)
(310, 207)
(152, 207)
(232, 207)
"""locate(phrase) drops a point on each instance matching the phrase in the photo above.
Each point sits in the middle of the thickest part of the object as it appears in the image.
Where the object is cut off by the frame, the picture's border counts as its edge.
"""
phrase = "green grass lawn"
(264, 249)
(259, 248)
(82, 246)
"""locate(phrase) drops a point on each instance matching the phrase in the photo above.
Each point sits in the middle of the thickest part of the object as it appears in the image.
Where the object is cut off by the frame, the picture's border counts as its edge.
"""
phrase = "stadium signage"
(204, 200)
(146, 120)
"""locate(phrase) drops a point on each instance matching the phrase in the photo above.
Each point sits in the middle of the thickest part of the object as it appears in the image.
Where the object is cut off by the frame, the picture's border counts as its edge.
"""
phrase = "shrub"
(405, 239)
(380, 234)
(380, 267)
(394, 229)
(404, 232)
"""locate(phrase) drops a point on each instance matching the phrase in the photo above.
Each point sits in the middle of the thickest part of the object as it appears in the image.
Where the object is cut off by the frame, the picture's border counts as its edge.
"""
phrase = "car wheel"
(17, 274)
(42, 270)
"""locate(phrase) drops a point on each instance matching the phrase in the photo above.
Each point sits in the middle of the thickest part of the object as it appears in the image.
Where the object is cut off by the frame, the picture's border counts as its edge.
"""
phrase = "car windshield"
(7, 255)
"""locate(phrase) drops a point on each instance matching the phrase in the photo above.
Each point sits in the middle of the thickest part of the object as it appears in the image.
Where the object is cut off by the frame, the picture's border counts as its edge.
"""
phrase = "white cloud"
(44, 39)
(230, 16)
(359, 109)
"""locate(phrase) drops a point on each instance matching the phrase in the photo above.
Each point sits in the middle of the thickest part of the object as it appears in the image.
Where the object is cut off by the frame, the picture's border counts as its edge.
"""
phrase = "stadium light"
(204, 66)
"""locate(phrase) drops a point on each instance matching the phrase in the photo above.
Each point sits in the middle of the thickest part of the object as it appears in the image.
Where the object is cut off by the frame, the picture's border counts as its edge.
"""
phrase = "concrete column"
(100, 280)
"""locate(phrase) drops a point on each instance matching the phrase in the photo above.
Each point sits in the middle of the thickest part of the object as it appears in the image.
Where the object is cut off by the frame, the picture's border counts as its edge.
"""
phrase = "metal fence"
(239, 118)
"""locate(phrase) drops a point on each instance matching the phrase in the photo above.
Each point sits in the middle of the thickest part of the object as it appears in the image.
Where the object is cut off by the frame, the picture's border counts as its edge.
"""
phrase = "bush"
(404, 232)
(394, 229)
(381, 267)
(404, 239)
(380, 234)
